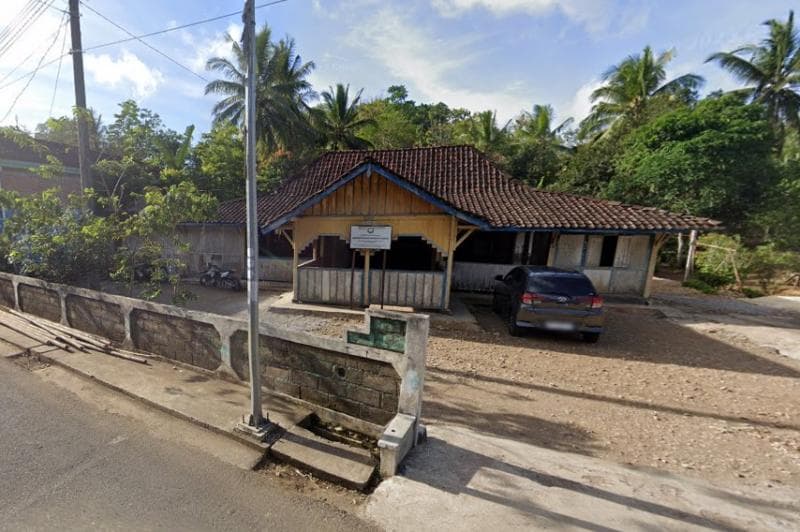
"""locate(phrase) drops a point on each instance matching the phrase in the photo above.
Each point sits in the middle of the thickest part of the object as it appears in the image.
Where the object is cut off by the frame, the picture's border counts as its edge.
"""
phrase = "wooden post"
(451, 249)
(295, 268)
(657, 242)
(690, 255)
(679, 259)
(383, 277)
(365, 290)
(352, 276)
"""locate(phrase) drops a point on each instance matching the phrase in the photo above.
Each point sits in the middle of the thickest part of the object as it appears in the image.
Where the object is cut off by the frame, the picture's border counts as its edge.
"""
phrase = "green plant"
(702, 286)
(751, 293)
(767, 262)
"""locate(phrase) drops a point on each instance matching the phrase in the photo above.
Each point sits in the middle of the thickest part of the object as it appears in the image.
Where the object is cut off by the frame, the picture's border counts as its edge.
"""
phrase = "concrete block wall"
(362, 388)
(365, 387)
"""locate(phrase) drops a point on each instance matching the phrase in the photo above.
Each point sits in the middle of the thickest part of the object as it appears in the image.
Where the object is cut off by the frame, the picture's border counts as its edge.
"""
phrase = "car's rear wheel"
(590, 337)
(511, 323)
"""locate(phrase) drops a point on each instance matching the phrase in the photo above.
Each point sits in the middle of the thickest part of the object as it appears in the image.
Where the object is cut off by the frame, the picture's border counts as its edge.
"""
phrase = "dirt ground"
(652, 393)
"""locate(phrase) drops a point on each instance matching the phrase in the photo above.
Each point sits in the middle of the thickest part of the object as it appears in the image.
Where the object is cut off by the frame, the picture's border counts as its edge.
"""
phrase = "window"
(608, 251)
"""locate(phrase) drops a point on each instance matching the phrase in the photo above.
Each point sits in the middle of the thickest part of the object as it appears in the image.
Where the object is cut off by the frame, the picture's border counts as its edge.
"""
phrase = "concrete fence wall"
(368, 385)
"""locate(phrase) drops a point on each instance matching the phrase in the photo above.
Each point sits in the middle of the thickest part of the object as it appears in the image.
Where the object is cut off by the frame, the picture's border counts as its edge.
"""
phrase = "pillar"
(451, 251)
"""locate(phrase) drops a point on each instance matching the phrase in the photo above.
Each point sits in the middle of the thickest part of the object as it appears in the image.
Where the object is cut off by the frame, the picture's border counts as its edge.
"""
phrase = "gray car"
(531, 297)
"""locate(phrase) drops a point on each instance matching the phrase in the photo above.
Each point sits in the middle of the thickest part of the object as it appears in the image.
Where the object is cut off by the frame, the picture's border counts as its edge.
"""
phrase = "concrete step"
(352, 467)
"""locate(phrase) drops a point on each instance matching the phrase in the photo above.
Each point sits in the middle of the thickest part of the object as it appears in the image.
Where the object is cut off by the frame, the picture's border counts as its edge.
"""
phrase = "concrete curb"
(152, 404)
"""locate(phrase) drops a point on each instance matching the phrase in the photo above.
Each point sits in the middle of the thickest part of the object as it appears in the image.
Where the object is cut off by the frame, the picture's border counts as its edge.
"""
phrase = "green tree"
(64, 130)
(389, 126)
(219, 162)
(282, 90)
(149, 237)
(771, 71)
(482, 131)
(630, 85)
(140, 151)
(711, 160)
(56, 240)
(538, 125)
(337, 119)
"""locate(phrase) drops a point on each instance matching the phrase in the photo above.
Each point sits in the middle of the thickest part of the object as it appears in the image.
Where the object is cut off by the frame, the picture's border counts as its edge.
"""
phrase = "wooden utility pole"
(80, 94)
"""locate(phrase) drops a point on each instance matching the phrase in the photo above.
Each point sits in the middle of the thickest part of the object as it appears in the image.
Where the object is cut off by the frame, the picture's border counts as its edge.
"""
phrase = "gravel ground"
(651, 393)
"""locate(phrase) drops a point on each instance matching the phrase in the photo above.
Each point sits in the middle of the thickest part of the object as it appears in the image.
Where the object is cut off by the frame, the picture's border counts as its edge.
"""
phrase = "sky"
(503, 55)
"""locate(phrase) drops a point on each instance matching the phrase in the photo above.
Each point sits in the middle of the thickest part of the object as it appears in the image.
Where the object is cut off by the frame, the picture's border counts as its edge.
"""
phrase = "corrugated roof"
(463, 178)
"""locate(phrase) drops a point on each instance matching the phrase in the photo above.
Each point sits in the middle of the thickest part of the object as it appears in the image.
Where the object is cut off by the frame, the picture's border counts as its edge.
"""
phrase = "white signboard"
(370, 236)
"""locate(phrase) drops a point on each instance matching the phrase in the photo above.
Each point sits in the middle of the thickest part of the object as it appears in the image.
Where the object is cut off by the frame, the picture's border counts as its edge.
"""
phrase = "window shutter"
(622, 259)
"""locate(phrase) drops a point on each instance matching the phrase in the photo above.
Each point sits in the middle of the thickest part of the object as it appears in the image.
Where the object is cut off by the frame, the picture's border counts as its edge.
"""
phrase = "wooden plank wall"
(422, 290)
(371, 195)
(329, 285)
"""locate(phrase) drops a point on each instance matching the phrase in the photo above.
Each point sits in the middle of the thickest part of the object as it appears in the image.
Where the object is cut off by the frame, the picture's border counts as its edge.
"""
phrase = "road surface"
(68, 465)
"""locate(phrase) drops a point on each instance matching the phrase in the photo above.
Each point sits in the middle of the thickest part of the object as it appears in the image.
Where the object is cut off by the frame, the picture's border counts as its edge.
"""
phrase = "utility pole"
(80, 94)
(257, 424)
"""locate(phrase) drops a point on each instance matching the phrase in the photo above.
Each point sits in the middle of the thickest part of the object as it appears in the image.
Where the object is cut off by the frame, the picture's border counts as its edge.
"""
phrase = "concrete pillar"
(690, 255)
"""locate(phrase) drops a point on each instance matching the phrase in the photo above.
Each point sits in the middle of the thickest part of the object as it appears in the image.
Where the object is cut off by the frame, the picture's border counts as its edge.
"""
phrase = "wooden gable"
(371, 195)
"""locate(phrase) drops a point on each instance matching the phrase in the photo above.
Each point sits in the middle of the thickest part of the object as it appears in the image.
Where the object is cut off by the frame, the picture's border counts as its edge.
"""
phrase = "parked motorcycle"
(219, 278)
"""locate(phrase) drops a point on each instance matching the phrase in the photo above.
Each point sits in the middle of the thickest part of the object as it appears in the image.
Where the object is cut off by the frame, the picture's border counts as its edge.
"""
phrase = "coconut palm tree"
(336, 119)
(481, 130)
(538, 125)
(630, 85)
(771, 71)
(282, 89)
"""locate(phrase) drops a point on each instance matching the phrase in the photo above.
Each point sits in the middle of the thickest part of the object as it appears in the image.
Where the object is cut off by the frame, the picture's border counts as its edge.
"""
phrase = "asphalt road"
(67, 465)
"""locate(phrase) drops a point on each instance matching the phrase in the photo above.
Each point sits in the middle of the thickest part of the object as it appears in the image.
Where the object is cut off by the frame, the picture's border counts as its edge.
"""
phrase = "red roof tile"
(465, 179)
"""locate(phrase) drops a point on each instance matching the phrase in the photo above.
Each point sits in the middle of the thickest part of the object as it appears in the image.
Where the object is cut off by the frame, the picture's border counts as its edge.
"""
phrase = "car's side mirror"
(498, 277)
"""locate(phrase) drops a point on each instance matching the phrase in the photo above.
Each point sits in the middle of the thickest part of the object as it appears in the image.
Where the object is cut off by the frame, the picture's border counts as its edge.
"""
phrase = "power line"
(23, 76)
(58, 72)
(175, 28)
(184, 67)
(137, 37)
(14, 33)
(39, 65)
(25, 11)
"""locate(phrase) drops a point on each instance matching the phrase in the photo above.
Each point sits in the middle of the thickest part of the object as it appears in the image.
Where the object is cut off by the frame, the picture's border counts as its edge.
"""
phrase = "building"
(19, 163)
(454, 221)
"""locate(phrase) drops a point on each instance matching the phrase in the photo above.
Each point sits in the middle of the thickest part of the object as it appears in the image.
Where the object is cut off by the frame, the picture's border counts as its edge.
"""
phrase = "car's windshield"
(570, 285)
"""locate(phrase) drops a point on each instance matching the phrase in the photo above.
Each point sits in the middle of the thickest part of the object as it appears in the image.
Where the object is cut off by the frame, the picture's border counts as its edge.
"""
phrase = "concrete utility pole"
(256, 421)
(80, 94)
(690, 255)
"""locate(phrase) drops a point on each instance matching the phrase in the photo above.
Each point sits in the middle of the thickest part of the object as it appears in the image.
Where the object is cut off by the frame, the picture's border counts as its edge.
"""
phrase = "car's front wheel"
(590, 337)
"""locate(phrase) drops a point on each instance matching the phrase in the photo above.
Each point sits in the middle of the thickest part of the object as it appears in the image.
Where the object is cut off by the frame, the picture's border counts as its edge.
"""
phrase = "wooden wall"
(371, 195)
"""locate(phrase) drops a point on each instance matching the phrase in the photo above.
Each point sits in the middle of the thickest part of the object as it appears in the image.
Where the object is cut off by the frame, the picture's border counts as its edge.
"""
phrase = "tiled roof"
(463, 178)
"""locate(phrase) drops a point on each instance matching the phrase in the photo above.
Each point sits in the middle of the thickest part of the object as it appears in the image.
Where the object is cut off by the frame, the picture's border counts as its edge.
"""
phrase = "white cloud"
(215, 46)
(597, 16)
(126, 70)
(429, 64)
(580, 105)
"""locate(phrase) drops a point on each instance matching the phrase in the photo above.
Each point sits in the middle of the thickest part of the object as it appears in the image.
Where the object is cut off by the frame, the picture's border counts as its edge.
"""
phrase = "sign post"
(368, 238)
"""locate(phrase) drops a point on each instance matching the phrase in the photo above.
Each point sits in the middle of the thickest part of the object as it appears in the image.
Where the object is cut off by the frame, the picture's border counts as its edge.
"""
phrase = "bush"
(699, 285)
(715, 279)
(767, 263)
(751, 293)
(720, 258)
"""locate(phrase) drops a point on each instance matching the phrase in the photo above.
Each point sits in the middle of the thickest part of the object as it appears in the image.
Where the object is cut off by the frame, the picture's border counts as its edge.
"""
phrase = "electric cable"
(184, 67)
(39, 66)
(175, 28)
(58, 72)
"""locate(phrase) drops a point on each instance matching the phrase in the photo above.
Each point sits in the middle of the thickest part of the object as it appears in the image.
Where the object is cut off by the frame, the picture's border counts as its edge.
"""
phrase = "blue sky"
(504, 55)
